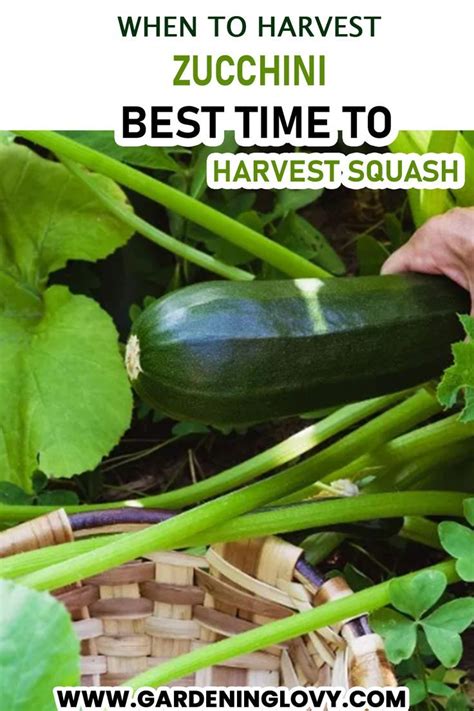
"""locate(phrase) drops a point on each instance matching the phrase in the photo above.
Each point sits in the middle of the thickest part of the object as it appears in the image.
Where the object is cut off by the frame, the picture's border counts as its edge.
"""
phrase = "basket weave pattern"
(168, 603)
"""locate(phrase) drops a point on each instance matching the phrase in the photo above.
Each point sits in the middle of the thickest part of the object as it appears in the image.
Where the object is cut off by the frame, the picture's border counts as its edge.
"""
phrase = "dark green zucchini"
(228, 353)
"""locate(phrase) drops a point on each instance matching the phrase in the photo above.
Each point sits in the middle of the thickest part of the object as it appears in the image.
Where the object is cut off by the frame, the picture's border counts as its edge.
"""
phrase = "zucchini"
(230, 353)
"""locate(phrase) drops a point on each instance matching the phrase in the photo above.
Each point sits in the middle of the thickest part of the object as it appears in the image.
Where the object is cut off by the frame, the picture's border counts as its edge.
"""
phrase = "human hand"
(443, 245)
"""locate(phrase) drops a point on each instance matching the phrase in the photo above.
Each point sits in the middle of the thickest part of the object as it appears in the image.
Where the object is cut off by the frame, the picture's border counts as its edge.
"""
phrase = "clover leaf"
(458, 702)
(65, 396)
(416, 595)
(458, 541)
(398, 631)
(442, 627)
(419, 690)
(31, 624)
(460, 376)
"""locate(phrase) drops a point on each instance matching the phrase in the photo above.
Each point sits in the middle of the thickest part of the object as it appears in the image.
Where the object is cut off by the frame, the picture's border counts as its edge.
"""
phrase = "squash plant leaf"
(31, 624)
(302, 237)
(291, 200)
(198, 184)
(458, 541)
(66, 399)
(47, 216)
(14, 495)
(371, 255)
(141, 156)
(460, 376)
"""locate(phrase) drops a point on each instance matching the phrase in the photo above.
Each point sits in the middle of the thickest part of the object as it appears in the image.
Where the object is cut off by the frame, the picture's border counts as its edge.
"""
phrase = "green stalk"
(418, 141)
(281, 453)
(435, 202)
(420, 530)
(185, 251)
(440, 434)
(277, 520)
(365, 601)
(235, 232)
(320, 545)
(416, 473)
(171, 533)
(443, 433)
(15, 566)
(326, 512)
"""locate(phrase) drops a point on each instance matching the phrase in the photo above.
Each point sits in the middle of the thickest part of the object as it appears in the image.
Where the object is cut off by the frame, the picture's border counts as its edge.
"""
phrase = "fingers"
(399, 261)
(429, 250)
(443, 245)
(410, 258)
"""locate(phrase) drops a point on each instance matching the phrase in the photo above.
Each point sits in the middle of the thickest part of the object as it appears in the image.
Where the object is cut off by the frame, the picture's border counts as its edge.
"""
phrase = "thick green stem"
(399, 451)
(20, 564)
(412, 473)
(281, 519)
(440, 434)
(271, 252)
(185, 251)
(320, 545)
(420, 530)
(365, 601)
(185, 526)
(326, 512)
(281, 453)
(435, 202)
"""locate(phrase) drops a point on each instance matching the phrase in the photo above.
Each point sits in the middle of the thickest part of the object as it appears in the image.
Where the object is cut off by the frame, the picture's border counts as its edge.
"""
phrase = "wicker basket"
(168, 603)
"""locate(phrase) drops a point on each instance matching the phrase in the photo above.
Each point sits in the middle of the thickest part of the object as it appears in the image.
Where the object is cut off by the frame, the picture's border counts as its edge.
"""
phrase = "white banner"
(68, 65)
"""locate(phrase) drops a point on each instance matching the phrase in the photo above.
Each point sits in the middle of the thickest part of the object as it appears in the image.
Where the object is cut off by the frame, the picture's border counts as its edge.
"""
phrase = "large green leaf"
(38, 649)
(64, 396)
(302, 237)
(288, 200)
(47, 216)
(199, 171)
(371, 254)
